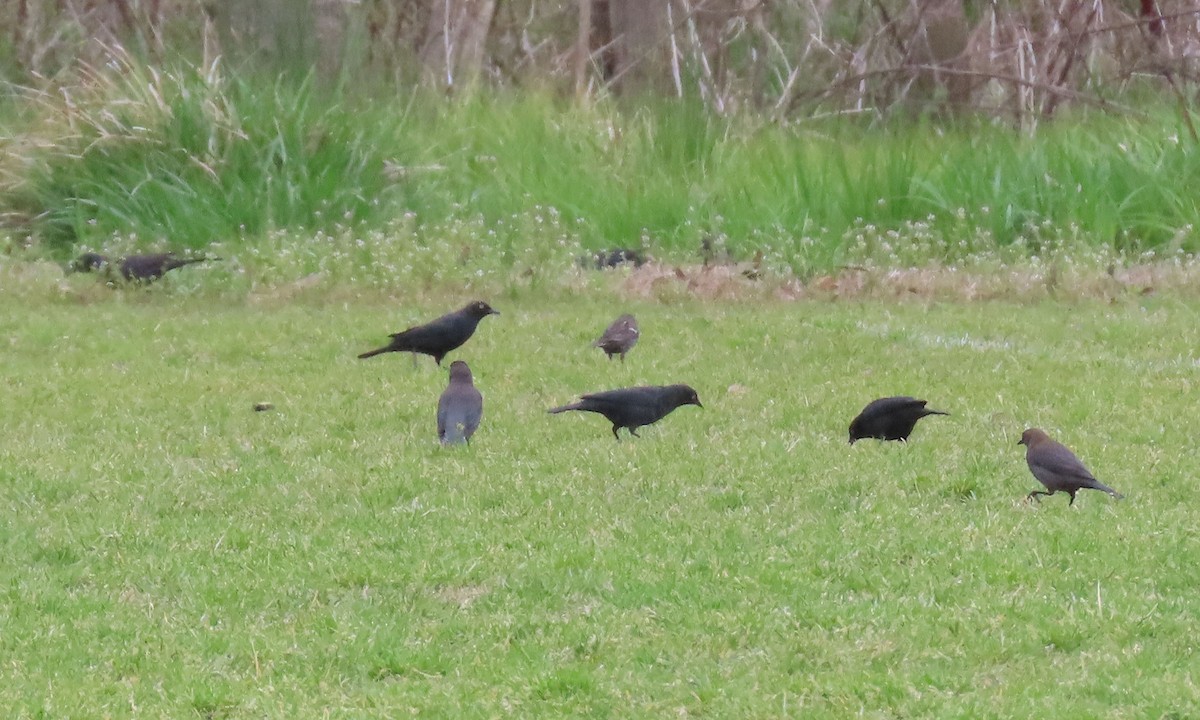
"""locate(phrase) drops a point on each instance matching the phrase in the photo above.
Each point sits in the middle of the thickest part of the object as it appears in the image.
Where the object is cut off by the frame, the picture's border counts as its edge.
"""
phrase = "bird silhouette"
(440, 336)
(889, 418)
(135, 268)
(632, 408)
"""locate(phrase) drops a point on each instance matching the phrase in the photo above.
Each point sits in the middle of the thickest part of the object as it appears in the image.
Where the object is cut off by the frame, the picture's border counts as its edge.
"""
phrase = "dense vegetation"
(183, 158)
(799, 130)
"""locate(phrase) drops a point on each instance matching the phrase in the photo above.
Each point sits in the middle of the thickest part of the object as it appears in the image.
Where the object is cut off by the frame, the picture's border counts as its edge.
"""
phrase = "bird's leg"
(633, 432)
(1034, 495)
(617, 436)
(414, 357)
(1072, 500)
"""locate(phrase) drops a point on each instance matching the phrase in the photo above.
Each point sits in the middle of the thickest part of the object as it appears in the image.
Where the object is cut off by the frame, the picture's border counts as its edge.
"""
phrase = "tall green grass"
(188, 157)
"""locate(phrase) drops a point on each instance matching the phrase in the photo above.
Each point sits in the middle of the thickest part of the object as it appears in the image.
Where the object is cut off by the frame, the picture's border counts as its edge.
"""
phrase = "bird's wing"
(432, 330)
(172, 262)
(624, 396)
(473, 410)
(1056, 458)
(625, 335)
(140, 267)
(886, 406)
(442, 414)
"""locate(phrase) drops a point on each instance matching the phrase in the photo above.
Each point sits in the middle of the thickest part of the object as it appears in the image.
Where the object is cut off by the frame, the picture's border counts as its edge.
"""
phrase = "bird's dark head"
(459, 370)
(480, 309)
(88, 262)
(856, 432)
(686, 395)
(1033, 437)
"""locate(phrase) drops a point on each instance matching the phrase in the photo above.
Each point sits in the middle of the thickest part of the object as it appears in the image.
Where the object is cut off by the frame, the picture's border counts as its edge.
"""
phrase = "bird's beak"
(1021, 441)
(851, 441)
(494, 312)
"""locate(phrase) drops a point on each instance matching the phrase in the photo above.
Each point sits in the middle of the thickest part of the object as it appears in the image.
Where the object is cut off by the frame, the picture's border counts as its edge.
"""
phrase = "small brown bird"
(460, 408)
(1057, 468)
(620, 337)
(890, 418)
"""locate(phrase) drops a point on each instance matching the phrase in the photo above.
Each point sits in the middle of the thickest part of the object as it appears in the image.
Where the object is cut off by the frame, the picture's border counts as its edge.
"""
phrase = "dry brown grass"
(1009, 282)
(1031, 280)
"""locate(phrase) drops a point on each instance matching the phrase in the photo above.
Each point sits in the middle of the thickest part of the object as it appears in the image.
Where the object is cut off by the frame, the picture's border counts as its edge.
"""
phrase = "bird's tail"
(935, 412)
(373, 353)
(1104, 488)
(180, 262)
(565, 408)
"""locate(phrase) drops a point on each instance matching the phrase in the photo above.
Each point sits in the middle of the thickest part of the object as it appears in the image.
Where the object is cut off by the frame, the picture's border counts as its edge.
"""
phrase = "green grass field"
(168, 552)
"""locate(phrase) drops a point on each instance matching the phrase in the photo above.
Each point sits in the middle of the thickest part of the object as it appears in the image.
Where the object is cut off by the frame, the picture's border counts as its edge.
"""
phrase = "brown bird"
(890, 418)
(620, 337)
(1057, 468)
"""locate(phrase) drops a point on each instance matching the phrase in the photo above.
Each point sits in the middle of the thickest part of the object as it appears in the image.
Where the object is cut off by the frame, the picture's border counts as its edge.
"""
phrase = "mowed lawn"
(169, 552)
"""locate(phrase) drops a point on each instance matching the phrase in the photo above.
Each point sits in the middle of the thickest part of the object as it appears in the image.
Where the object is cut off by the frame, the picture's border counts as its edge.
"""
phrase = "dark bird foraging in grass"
(620, 337)
(460, 407)
(440, 336)
(890, 418)
(88, 262)
(135, 268)
(1057, 468)
(631, 408)
(605, 259)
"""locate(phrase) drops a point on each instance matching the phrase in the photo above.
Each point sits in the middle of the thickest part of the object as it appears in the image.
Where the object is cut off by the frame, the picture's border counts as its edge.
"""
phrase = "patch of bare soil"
(935, 282)
(460, 595)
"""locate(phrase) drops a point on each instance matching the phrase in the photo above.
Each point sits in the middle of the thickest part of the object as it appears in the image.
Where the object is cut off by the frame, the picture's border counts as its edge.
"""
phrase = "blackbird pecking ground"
(890, 418)
(136, 268)
(631, 408)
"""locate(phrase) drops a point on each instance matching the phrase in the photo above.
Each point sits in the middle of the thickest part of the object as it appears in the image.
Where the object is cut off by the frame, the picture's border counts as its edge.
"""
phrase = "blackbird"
(440, 336)
(634, 407)
(460, 407)
(136, 268)
(1057, 468)
(620, 337)
(890, 418)
(615, 257)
